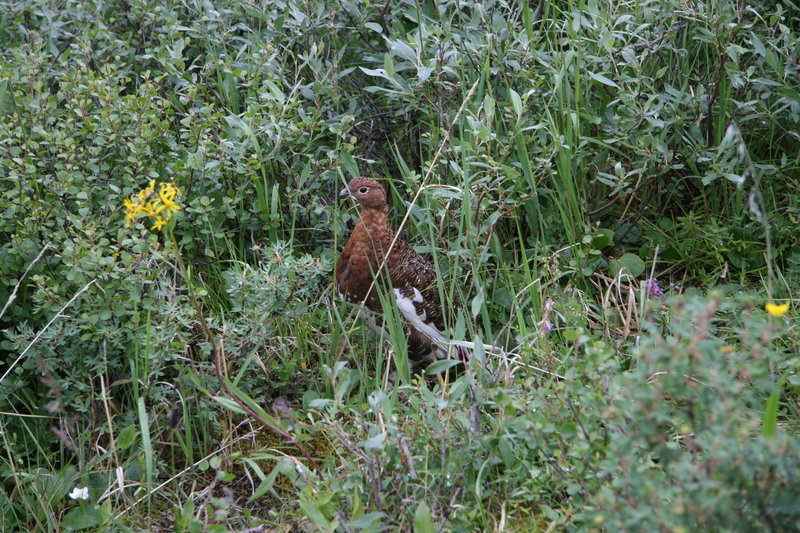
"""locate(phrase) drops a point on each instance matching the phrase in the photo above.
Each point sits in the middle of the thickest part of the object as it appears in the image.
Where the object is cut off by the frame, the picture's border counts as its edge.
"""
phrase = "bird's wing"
(411, 305)
(414, 310)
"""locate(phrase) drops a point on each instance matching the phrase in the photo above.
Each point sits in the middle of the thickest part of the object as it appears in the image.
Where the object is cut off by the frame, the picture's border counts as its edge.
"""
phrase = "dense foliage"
(610, 189)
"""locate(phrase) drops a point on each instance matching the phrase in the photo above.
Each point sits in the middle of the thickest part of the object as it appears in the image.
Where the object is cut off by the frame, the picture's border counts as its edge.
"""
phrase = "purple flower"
(545, 325)
(652, 289)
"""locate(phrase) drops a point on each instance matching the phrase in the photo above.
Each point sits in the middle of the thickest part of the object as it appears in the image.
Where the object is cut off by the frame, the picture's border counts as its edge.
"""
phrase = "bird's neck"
(376, 223)
(375, 217)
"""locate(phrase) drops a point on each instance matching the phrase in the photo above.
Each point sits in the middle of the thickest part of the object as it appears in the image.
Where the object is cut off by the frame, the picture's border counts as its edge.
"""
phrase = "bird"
(412, 280)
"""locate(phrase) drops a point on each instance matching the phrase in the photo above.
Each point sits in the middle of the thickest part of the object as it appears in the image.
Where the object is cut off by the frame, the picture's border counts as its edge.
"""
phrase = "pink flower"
(652, 289)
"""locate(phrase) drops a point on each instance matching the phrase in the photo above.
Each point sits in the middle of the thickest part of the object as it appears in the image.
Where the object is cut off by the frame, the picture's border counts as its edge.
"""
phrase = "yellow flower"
(144, 204)
(776, 310)
(129, 212)
(145, 193)
(166, 195)
(168, 190)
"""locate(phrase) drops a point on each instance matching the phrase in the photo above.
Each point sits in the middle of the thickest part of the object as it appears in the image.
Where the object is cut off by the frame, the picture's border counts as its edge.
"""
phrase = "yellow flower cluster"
(147, 203)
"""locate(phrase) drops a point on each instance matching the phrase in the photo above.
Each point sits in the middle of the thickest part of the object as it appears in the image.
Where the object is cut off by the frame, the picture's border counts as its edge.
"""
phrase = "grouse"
(361, 272)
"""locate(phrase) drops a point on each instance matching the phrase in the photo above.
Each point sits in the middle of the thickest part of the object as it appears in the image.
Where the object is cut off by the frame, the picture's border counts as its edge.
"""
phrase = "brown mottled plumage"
(412, 277)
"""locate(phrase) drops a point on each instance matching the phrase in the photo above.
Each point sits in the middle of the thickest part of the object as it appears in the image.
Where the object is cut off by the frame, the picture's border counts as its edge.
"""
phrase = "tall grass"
(561, 163)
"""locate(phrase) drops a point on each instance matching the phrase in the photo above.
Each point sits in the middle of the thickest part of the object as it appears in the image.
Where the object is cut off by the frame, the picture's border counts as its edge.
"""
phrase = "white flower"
(79, 493)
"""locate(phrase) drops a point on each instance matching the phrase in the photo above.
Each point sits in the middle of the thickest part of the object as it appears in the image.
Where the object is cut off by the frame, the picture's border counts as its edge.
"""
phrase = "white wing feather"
(409, 313)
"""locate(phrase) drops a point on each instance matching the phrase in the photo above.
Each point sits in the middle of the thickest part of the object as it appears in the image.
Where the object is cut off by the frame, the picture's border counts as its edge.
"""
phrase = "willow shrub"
(681, 440)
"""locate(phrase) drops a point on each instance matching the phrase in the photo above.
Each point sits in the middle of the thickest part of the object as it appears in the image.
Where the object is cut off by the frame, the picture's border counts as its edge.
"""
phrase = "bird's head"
(367, 192)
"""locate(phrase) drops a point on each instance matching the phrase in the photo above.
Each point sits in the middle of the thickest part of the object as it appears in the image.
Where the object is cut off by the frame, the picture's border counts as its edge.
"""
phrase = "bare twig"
(450, 507)
(16, 287)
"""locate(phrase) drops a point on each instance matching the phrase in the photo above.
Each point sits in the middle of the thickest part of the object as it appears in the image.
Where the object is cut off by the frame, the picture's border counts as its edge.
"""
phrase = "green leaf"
(265, 485)
(516, 101)
(82, 517)
(376, 72)
(770, 424)
(570, 335)
(631, 263)
(350, 164)
(313, 511)
(602, 79)
(97, 482)
(369, 520)
(247, 400)
(507, 453)
(229, 404)
(401, 49)
(440, 366)
(373, 443)
(477, 302)
(423, 73)
(423, 521)
(388, 64)
(603, 237)
(127, 437)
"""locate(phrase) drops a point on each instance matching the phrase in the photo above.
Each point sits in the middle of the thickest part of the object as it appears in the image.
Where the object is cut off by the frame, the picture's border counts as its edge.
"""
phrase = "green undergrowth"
(609, 189)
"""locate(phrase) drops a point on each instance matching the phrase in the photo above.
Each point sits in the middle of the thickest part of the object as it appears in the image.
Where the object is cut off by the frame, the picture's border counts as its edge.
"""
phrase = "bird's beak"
(344, 192)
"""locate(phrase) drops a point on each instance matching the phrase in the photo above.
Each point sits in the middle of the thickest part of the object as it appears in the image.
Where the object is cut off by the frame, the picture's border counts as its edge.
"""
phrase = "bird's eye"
(362, 190)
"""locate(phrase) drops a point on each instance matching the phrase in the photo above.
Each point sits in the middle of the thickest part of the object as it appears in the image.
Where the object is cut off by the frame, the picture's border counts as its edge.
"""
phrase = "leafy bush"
(680, 441)
(689, 440)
